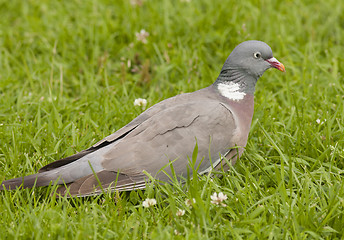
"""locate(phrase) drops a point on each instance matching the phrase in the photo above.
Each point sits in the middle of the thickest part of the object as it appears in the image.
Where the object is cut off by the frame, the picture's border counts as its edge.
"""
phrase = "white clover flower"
(141, 102)
(142, 36)
(189, 202)
(320, 122)
(149, 202)
(180, 212)
(218, 198)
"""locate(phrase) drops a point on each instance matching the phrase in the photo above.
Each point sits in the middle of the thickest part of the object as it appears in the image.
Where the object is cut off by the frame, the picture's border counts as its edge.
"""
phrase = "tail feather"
(84, 186)
(25, 182)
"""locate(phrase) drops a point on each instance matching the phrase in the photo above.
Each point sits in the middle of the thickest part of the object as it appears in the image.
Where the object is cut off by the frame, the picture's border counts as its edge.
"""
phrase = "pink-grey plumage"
(218, 118)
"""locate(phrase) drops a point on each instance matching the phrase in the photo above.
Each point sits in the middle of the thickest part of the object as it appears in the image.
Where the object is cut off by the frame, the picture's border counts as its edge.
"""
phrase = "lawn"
(70, 72)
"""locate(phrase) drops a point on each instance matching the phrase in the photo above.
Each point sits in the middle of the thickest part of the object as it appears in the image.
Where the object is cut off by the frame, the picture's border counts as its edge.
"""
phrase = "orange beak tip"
(276, 64)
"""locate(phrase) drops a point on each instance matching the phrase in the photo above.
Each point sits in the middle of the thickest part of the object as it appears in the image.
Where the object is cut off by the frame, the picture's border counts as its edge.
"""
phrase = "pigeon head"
(253, 58)
(247, 62)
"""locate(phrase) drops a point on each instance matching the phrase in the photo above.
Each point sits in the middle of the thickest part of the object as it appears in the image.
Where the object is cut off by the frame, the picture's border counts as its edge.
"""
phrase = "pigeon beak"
(276, 64)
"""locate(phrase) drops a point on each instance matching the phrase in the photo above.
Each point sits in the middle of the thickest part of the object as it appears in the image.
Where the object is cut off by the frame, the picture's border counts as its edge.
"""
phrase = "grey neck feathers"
(247, 82)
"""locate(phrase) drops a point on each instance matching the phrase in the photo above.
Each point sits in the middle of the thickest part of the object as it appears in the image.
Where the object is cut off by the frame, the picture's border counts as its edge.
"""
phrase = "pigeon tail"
(30, 181)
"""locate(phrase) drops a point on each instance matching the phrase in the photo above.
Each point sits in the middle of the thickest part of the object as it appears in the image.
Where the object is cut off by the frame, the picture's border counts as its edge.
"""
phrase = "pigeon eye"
(257, 55)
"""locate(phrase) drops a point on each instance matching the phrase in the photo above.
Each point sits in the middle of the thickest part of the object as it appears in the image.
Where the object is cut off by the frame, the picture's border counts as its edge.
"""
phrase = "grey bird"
(217, 117)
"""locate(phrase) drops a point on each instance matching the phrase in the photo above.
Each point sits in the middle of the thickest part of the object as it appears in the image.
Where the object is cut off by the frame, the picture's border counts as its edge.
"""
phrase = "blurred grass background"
(71, 70)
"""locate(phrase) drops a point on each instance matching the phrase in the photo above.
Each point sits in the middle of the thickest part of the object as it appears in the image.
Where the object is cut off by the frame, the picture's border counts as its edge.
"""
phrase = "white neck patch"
(231, 90)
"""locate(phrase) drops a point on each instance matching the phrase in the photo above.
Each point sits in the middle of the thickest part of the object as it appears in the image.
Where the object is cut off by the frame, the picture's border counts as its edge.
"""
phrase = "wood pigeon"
(217, 118)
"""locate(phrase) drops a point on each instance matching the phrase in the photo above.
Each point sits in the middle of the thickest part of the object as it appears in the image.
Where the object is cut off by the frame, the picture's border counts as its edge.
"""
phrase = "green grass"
(65, 83)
